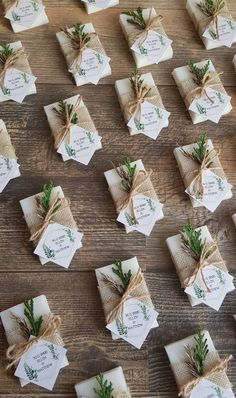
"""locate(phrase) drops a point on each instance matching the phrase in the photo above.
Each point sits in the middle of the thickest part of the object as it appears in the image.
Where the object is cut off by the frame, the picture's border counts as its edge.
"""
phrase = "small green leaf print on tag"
(70, 235)
(150, 203)
(130, 220)
(219, 183)
(199, 292)
(201, 109)
(139, 126)
(122, 329)
(69, 150)
(49, 253)
(219, 392)
(230, 25)
(162, 41)
(52, 350)
(6, 91)
(142, 50)
(159, 114)
(89, 135)
(220, 98)
(15, 17)
(25, 78)
(143, 308)
(82, 72)
(30, 373)
(213, 34)
(35, 6)
(220, 276)
(100, 61)
(8, 163)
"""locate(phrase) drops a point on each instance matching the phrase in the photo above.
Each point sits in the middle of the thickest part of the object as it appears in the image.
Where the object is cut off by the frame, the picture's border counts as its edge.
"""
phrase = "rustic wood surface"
(72, 293)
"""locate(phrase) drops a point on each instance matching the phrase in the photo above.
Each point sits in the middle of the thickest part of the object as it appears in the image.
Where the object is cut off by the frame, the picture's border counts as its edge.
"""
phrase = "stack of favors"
(36, 349)
(213, 21)
(75, 135)
(200, 267)
(126, 300)
(9, 167)
(85, 56)
(52, 227)
(146, 36)
(137, 204)
(16, 80)
(98, 5)
(203, 93)
(142, 105)
(25, 14)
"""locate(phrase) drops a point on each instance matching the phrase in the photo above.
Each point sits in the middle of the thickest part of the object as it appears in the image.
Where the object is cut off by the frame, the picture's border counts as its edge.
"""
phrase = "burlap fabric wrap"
(203, 23)
(6, 148)
(7, 4)
(21, 63)
(62, 216)
(183, 376)
(188, 167)
(119, 394)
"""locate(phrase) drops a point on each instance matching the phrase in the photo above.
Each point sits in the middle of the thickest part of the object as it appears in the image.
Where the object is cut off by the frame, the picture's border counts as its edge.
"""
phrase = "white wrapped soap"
(99, 5)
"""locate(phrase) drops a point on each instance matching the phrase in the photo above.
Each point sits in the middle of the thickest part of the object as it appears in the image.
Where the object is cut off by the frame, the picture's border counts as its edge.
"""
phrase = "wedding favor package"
(126, 300)
(213, 22)
(146, 36)
(84, 54)
(201, 269)
(136, 201)
(198, 369)
(25, 14)
(74, 132)
(16, 79)
(142, 105)
(202, 173)
(52, 226)
(234, 218)
(36, 349)
(98, 5)
(234, 62)
(9, 168)
(202, 91)
(113, 381)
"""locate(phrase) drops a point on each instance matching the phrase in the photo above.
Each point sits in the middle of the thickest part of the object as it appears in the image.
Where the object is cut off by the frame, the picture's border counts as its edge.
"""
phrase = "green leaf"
(136, 18)
(35, 323)
(105, 389)
(192, 238)
(199, 73)
(47, 191)
(5, 52)
(124, 276)
(200, 351)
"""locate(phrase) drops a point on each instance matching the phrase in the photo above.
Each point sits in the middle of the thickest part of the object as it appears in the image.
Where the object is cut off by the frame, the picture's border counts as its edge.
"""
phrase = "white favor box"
(92, 9)
(234, 218)
(197, 15)
(17, 45)
(234, 61)
(41, 20)
(64, 42)
(141, 60)
(115, 376)
(180, 157)
(182, 74)
(3, 128)
(174, 244)
(132, 265)
(55, 123)
(124, 86)
(113, 178)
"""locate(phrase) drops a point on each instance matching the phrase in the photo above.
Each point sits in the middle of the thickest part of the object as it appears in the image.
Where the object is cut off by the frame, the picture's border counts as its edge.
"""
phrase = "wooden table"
(73, 293)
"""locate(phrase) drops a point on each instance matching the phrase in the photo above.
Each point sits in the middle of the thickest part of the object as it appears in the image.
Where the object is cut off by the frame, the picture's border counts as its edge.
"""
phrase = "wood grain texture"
(73, 294)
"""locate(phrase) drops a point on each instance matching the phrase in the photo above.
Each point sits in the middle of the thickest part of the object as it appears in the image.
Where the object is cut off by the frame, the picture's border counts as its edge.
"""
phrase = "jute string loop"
(16, 351)
(153, 23)
(210, 80)
(213, 19)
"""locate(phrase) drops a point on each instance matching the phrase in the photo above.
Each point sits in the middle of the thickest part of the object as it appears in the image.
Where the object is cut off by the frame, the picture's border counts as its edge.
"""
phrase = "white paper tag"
(215, 190)
(208, 389)
(150, 121)
(211, 109)
(92, 65)
(41, 364)
(81, 146)
(153, 47)
(59, 244)
(8, 168)
(25, 12)
(219, 283)
(17, 84)
(138, 319)
(142, 215)
(226, 29)
(98, 3)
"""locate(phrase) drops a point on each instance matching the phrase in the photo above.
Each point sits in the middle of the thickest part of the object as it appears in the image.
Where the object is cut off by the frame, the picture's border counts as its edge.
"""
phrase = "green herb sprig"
(35, 323)
(200, 150)
(5, 52)
(124, 276)
(211, 7)
(136, 18)
(47, 191)
(105, 389)
(196, 356)
(138, 84)
(199, 73)
(77, 36)
(126, 172)
(65, 110)
(192, 243)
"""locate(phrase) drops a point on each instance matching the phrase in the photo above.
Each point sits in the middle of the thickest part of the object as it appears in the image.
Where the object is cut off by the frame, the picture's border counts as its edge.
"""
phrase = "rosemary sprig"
(199, 73)
(35, 323)
(196, 357)
(47, 191)
(137, 84)
(136, 18)
(191, 241)
(77, 36)
(124, 276)
(5, 52)
(64, 110)
(105, 389)
(211, 7)
(200, 150)
(24, 329)
(126, 172)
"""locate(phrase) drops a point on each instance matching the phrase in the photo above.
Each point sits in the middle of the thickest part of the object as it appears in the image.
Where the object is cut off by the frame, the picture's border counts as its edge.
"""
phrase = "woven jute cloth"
(7, 4)
(183, 376)
(6, 148)
(205, 21)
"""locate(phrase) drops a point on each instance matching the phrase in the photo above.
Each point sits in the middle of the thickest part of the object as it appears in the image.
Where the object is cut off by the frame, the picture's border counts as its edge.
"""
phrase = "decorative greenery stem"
(136, 18)
(35, 323)
(105, 389)
(196, 356)
(199, 73)
(126, 173)
(191, 240)
(124, 276)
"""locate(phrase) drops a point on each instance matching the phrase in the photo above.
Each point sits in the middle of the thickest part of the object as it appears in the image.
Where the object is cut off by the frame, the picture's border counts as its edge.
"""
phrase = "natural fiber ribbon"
(205, 21)
(6, 148)
(16, 351)
(114, 304)
(17, 60)
(215, 373)
(8, 4)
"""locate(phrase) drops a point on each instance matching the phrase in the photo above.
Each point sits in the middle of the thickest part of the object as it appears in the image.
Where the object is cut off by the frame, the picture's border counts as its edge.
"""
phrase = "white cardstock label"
(98, 3)
(58, 244)
(25, 12)
(81, 146)
(215, 190)
(138, 319)
(226, 31)
(41, 364)
(218, 282)
(208, 389)
(153, 46)
(211, 106)
(17, 84)
(150, 120)
(92, 65)
(8, 168)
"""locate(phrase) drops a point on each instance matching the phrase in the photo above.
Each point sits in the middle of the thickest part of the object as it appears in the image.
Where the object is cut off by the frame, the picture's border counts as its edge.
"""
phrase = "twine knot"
(10, 62)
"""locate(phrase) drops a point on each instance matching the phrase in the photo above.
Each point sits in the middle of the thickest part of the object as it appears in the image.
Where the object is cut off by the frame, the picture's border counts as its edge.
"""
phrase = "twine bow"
(210, 80)
(56, 206)
(218, 12)
(16, 351)
(141, 92)
(220, 366)
(152, 24)
(9, 63)
(130, 293)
